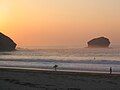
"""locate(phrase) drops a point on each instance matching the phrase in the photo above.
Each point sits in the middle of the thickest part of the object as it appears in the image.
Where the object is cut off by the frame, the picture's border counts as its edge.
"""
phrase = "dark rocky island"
(6, 43)
(100, 42)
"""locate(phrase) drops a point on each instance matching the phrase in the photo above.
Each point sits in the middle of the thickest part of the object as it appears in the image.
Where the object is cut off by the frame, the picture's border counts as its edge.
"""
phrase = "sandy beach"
(24, 79)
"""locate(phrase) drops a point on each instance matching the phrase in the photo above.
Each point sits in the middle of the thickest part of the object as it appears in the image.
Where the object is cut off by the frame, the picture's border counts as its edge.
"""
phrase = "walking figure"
(110, 70)
(55, 67)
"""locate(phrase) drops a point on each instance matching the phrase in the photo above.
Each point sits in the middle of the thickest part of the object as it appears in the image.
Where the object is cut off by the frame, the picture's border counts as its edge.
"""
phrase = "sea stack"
(100, 42)
(6, 43)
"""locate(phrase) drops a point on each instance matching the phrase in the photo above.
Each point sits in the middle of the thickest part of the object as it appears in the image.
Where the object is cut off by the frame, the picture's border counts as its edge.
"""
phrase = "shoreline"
(46, 71)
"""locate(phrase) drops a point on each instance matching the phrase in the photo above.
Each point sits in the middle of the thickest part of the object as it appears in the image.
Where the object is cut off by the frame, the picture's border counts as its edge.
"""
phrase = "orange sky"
(59, 22)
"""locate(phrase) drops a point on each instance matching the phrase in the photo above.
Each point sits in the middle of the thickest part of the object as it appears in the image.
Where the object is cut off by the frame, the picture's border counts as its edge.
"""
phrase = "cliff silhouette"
(6, 43)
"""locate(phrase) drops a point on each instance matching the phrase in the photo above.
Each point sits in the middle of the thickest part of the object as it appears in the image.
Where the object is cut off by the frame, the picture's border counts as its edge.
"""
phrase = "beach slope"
(24, 79)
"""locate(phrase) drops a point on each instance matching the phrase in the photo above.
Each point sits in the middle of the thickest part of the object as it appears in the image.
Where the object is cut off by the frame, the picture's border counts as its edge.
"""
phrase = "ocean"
(67, 59)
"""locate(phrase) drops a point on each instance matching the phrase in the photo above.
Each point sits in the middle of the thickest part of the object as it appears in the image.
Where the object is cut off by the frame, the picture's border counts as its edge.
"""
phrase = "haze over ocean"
(66, 25)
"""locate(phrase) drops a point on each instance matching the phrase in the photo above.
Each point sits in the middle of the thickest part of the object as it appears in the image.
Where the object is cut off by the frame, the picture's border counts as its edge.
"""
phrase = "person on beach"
(55, 67)
(110, 70)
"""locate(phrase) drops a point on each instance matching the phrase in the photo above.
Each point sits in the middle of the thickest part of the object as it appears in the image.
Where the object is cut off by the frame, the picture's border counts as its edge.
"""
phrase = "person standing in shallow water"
(55, 67)
(110, 70)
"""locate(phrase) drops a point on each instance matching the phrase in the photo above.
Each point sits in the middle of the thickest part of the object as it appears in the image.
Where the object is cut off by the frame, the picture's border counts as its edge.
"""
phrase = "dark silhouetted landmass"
(100, 42)
(6, 43)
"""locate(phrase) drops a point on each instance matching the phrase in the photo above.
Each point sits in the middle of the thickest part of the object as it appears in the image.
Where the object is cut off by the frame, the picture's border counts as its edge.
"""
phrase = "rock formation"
(6, 43)
(99, 42)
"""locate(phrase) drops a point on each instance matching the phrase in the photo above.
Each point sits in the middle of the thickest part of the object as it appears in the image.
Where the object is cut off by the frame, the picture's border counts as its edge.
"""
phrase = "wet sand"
(24, 79)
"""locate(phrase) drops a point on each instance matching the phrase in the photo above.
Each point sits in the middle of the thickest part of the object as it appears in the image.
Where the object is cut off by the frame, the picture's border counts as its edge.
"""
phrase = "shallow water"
(74, 59)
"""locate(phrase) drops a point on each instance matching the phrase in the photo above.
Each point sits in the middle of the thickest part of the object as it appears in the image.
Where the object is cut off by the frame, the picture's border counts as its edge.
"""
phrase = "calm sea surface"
(69, 59)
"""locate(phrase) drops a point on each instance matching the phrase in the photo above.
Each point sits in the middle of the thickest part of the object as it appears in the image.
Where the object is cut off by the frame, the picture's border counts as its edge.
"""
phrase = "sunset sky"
(59, 22)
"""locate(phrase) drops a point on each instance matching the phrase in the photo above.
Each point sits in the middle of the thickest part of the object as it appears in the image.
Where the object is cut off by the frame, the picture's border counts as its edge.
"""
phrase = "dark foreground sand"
(19, 79)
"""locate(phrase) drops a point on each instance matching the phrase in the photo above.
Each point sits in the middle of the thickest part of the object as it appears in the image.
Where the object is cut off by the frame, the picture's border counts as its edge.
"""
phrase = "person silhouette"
(55, 67)
(110, 70)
